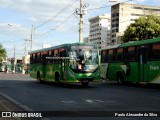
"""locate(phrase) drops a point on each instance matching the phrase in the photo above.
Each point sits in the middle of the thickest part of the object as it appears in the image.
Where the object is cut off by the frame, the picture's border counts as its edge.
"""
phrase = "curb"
(21, 106)
(16, 103)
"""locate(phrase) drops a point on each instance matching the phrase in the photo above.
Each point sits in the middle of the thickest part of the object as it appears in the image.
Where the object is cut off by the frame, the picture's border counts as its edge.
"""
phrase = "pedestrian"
(6, 69)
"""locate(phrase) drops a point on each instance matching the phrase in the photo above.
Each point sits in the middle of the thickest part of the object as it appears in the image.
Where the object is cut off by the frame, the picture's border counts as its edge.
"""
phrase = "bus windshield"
(83, 60)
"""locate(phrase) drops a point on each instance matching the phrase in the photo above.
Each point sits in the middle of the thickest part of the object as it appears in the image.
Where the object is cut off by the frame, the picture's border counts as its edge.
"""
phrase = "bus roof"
(133, 43)
(58, 46)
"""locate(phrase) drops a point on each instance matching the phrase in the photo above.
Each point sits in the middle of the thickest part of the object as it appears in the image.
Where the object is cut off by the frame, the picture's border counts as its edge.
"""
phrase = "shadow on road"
(71, 85)
(136, 85)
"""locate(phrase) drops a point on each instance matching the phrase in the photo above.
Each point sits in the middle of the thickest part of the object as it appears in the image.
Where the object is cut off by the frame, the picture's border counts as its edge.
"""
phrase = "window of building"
(113, 35)
(136, 7)
(132, 19)
(115, 15)
(134, 14)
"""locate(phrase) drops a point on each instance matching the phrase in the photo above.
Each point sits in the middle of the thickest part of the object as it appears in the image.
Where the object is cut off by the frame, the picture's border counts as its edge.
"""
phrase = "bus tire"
(120, 79)
(39, 78)
(57, 78)
(85, 84)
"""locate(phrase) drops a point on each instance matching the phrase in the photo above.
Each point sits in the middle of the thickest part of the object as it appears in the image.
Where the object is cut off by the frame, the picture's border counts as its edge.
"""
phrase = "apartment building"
(99, 33)
(86, 40)
(123, 14)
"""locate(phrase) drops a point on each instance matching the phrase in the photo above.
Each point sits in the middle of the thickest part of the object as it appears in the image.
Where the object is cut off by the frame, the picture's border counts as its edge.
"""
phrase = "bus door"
(44, 67)
(63, 64)
(142, 56)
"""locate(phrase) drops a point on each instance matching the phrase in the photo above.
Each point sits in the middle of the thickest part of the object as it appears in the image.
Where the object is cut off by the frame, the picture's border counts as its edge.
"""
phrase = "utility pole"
(32, 34)
(81, 11)
(25, 48)
(26, 45)
(31, 40)
(14, 53)
(80, 23)
(14, 63)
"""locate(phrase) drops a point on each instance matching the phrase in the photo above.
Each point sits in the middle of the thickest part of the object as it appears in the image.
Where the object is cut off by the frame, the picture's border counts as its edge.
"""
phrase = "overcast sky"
(54, 21)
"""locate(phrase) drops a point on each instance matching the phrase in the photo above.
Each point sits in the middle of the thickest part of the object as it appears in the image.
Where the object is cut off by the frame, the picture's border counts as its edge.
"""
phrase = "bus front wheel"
(85, 84)
(39, 78)
(120, 79)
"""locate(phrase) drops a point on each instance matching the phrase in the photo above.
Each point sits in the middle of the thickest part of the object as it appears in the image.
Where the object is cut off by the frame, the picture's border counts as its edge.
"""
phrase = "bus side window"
(155, 51)
(104, 56)
(50, 60)
(31, 58)
(130, 53)
(56, 54)
(46, 55)
(119, 54)
(111, 55)
(38, 57)
(44, 60)
(63, 54)
(35, 58)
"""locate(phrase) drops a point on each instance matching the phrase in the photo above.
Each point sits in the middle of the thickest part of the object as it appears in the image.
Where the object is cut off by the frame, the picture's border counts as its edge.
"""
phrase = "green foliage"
(3, 52)
(146, 27)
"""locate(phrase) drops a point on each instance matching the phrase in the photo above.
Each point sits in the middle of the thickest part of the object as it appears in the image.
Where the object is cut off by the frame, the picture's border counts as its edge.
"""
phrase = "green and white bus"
(135, 62)
(66, 63)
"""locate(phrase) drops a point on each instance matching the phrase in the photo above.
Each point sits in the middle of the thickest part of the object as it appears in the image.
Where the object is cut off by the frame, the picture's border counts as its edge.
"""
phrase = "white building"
(3, 60)
(123, 14)
(99, 33)
(26, 59)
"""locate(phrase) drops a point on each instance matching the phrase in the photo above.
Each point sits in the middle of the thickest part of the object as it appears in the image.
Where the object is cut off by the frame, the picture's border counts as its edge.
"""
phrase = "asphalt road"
(97, 97)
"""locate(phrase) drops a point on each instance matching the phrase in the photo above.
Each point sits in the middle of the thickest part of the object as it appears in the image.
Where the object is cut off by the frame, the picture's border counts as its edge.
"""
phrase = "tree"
(146, 27)
(3, 53)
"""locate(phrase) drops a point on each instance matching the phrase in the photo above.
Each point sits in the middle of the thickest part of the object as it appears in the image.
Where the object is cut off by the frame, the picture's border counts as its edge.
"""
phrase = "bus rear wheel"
(57, 78)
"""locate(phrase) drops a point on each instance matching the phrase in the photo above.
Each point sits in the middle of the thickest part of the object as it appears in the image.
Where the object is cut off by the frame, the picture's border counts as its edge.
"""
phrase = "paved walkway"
(7, 104)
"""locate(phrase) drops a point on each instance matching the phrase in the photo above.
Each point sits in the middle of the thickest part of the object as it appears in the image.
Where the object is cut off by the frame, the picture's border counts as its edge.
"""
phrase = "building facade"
(123, 14)
(86, 40)
(99, 33)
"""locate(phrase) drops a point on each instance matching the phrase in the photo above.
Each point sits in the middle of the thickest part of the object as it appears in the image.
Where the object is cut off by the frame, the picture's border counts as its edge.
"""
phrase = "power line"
(56, 26)
(55, 15)
(104, 6)
(12, 41)
(68, 9)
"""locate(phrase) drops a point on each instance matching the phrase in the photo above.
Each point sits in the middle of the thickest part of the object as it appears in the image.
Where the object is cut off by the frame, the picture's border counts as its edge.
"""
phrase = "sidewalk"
(13, 73)
(8, 106)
